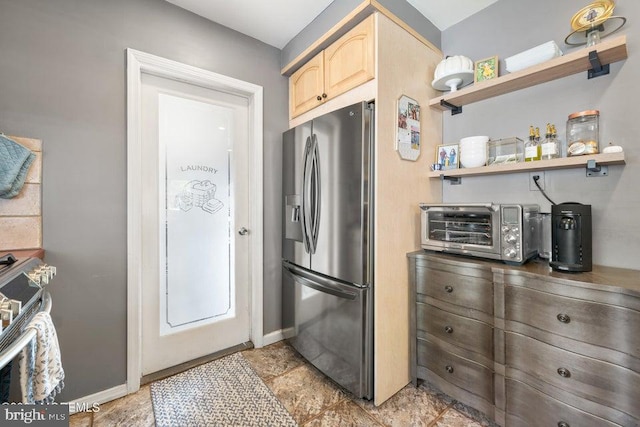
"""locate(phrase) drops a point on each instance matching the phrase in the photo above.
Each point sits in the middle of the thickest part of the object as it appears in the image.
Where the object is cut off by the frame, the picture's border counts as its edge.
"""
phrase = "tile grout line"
(441, 415)
(370, 415)
(373, 417)
(308, 420)
(286, 372)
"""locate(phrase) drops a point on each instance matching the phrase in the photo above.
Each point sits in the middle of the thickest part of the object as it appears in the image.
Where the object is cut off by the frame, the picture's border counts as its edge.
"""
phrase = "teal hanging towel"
(15, 161)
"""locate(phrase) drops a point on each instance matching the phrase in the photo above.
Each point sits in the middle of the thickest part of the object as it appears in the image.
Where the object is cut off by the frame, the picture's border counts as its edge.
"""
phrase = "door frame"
(138, 63)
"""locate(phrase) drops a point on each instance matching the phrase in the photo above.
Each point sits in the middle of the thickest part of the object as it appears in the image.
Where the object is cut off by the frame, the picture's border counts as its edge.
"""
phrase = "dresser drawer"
(605, 383)
(465, 291)
(459, 371)
(592, 322)
(457, 330)
(528, 407)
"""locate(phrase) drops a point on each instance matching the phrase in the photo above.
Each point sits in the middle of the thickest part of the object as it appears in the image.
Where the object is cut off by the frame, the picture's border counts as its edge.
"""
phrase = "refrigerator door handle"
(306, 182)
(319, 283)
(317, 199)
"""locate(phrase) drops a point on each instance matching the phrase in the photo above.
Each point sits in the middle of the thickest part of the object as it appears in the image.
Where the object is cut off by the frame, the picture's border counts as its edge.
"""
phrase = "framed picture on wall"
(447, 156)
(485, 69)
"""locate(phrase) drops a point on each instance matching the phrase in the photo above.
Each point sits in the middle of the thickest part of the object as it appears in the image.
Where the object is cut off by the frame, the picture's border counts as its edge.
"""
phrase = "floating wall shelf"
(608, 51)
(540, 165)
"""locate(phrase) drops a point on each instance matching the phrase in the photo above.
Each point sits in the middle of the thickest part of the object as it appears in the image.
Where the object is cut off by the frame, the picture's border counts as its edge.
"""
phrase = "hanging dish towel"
(41, 373)
(15, 161)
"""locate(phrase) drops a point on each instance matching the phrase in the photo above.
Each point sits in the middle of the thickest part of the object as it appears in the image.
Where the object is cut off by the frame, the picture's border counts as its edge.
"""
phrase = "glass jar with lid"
(582, 133)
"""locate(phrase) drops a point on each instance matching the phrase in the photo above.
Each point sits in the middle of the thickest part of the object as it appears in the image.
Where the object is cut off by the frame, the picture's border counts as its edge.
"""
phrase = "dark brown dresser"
(526, 345)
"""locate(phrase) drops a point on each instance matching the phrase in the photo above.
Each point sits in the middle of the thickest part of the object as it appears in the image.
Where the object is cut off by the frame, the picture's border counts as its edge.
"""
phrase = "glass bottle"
(532, 147)
(549, 148)
(554, 135)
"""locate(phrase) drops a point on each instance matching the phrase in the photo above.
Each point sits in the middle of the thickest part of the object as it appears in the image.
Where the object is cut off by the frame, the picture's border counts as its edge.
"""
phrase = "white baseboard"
(272, 337)
(100, 397)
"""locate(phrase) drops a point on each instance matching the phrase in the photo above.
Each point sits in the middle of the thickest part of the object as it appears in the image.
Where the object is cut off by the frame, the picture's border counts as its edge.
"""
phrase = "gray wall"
(509, 27)
(62, 79)
(337, 10)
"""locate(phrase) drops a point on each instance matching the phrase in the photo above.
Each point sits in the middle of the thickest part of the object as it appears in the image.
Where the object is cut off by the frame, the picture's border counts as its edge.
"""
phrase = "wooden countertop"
(25, 253)
(622, 278)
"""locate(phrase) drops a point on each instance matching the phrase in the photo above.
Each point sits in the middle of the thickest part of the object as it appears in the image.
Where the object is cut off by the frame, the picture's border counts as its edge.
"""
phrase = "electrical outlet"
(532, 183)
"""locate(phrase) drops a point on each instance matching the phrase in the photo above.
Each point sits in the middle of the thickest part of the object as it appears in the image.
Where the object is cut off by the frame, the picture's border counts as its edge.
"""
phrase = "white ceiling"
(276, 22)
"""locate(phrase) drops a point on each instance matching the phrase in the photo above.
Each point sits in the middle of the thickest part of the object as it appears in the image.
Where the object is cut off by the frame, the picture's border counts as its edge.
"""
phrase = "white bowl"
(473, 151)
(473, 160)
(474, 140)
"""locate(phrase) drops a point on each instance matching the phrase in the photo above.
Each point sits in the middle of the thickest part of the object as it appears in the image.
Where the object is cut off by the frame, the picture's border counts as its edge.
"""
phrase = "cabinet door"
(306, 86)
(350, 61)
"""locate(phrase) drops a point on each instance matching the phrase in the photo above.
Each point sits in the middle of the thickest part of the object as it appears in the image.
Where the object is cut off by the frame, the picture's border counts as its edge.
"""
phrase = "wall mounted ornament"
(593, 22)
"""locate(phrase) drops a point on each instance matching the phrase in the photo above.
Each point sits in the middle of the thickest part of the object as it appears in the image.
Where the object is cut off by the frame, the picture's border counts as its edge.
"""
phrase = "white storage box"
(533, 56)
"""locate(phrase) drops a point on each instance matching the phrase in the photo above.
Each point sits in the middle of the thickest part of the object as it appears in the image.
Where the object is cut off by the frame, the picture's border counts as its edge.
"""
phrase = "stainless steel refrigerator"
(327, 244)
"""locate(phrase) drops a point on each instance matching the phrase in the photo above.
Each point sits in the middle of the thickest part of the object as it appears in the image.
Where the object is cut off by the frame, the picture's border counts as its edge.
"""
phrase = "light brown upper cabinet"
(345, 64)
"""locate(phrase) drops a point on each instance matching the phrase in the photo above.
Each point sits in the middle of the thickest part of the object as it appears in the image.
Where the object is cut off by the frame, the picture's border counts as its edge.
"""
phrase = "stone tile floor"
(312, 399)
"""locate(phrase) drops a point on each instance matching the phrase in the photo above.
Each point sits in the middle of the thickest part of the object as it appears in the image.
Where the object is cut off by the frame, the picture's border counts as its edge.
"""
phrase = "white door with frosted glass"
(195, 268)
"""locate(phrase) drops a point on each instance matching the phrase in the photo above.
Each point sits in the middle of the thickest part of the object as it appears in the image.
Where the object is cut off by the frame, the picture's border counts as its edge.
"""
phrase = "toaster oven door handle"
(13, 349)
(427, 206)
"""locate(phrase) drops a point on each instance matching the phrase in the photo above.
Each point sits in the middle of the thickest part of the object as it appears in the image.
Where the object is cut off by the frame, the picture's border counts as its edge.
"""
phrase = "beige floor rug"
(225, 392)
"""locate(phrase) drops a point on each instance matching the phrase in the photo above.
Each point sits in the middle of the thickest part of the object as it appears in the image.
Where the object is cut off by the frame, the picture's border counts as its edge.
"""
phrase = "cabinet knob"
(563, 424)
(563, 372)
(449, 369)
(564, 318)
(324, 95)
(448, 329)
(319, 98)
(448, 289)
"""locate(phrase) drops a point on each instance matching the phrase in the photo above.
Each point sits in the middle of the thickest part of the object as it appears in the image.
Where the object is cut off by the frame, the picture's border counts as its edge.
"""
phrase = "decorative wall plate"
(592, 14)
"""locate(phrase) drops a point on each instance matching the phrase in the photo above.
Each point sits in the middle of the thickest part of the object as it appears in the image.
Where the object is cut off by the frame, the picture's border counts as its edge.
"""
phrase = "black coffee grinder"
(571, 237)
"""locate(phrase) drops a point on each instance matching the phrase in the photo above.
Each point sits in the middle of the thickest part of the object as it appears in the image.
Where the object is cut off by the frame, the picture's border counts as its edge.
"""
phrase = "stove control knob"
(510, 238)
(35, 277)
(505, 229)
(510, 253)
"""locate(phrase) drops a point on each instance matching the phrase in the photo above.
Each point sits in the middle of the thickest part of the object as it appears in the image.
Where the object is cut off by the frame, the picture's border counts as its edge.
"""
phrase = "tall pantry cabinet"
(404, 65)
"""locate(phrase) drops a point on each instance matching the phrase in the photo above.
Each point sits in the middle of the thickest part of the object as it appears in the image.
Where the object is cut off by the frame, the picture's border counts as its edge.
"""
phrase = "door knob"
(243, 231)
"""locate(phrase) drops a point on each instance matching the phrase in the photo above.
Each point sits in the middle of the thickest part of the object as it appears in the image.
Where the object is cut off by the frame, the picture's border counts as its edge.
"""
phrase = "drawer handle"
(448, 329)
(319, 98)
(563, 424)
(449, 369)
(448, 289)
(564, 318)
(563, 372)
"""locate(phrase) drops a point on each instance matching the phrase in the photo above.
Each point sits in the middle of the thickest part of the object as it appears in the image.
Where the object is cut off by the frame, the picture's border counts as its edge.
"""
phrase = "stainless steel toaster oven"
(506, 232)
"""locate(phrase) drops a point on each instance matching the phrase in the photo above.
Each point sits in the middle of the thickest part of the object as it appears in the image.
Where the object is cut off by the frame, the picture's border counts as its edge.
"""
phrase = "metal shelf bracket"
(597, 69)
(455, 109)
(453, 180)
(593, 169)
